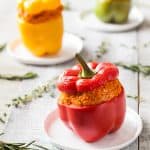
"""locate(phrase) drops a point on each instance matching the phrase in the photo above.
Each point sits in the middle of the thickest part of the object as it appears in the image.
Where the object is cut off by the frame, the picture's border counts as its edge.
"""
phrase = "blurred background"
(8, 21)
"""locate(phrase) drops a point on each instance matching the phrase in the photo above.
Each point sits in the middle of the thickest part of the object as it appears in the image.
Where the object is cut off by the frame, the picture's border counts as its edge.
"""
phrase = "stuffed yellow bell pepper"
(41, 25)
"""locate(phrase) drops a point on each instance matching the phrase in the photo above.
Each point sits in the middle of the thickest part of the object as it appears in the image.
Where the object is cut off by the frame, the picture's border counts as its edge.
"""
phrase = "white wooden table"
(26, 124)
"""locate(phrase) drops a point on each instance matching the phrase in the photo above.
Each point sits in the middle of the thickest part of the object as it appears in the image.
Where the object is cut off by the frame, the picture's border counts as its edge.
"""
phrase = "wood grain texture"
(144, 58)
(23, 124)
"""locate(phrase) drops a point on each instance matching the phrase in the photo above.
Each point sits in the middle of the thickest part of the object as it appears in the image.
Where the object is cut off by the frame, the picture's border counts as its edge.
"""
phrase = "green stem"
(86, 71)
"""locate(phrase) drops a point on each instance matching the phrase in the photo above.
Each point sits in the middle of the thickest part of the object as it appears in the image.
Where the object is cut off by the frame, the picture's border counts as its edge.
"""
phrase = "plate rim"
(124, 26)
(45, 62)
(118, 147)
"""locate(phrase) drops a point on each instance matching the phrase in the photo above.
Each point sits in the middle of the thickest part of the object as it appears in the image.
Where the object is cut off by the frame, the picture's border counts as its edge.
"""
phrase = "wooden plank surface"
(144, 58)
(27, 117)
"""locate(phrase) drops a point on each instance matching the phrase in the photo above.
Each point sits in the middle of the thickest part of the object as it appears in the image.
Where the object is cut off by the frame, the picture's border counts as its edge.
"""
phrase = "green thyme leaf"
(145, 70)
(21, 146)
(84, 13)
(41, 147)
(2, 120)
(127, 47)
(102, 49)
(133, 97)
(29, 75)
(2, 47)
(67, 6)
(1, 134)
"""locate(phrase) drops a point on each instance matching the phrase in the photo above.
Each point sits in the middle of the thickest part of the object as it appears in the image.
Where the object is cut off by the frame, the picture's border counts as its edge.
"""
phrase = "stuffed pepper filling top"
(99, 95)
(37, 11)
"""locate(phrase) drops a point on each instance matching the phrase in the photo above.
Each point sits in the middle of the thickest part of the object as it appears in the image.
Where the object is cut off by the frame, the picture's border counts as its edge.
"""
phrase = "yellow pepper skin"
(41, 37)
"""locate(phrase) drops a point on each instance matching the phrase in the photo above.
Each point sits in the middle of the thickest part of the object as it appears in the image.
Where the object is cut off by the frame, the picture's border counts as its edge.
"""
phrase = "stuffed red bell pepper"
(92, 100)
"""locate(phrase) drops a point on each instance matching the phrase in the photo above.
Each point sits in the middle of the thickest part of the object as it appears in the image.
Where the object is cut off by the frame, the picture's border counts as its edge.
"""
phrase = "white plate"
(71, 45)
(136, 18)
(64, 138)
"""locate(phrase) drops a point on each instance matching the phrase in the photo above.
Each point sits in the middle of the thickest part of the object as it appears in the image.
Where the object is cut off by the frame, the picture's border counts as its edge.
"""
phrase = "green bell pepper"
(113, 11)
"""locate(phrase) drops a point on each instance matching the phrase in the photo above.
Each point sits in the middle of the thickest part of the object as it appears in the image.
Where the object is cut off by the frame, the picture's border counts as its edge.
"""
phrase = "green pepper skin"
(113, 11)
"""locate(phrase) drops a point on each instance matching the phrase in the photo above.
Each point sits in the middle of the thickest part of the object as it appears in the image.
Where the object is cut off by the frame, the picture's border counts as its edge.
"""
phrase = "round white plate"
(64, 138)
(136, 18)
(71, 45)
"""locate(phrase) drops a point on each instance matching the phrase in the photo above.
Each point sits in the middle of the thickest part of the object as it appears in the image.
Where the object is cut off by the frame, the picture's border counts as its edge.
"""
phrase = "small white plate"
(136, 18)
(71, 45)
(64, 138)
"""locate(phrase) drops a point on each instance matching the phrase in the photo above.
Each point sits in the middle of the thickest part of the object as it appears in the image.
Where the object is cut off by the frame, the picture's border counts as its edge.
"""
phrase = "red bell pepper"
(82, 78)
(91, 122)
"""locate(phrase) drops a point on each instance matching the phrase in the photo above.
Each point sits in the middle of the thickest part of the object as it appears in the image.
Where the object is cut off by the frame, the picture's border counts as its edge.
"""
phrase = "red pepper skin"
(70, 82)
(92, 123)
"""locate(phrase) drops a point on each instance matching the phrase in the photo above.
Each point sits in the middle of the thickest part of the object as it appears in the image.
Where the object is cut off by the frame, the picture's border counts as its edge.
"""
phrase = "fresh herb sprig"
(1, 134)
(15, 146)
(38, 92)
(48, 88)
(67, 6)
(133, 97)
(84, 13)
(135, 47)
(102, 49)
(145, 70)
(2, 120)
(28, 75)
(126, 46)
(21, 146)
(2, 47)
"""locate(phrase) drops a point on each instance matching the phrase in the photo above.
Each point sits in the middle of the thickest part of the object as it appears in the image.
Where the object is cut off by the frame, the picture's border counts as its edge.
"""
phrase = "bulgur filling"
(104, 93)
(41, 17)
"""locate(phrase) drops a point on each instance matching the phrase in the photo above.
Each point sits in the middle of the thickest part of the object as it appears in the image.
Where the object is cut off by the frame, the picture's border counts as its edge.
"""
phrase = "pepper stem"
(86, 71)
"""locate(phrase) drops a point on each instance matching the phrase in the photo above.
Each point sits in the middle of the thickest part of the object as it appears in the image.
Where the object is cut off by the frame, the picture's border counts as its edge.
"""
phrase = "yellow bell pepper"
(41, 38)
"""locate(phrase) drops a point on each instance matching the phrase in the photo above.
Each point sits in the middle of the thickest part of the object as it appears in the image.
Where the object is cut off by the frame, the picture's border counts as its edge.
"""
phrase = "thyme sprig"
(1, 134)
(102, 49)
(2, 120)
(26, 76)
(15, 146)
(135, 47)
(2, 47)
(67, 6)
(38, 92)
(139, 68)
(84, 13)
(133, 97)
(126, 46)
(41, 147)
(21, 146)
